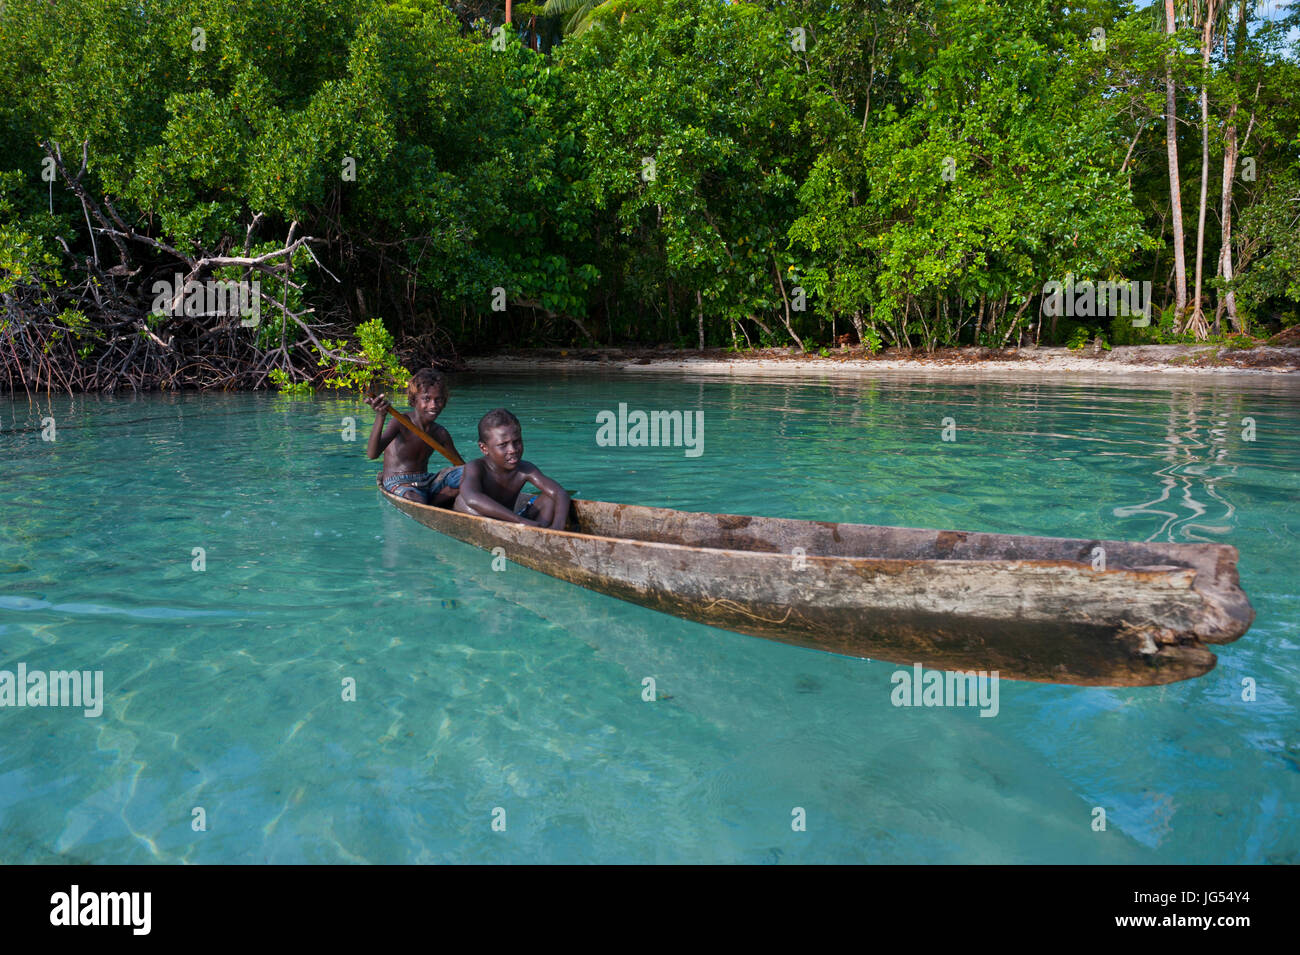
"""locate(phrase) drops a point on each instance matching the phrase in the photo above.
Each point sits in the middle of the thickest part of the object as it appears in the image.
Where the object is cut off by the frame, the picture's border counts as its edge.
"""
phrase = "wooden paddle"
(419, 433)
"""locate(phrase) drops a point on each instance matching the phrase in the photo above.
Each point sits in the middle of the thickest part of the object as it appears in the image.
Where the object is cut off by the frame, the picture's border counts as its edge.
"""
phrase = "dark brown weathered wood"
(1032, 608)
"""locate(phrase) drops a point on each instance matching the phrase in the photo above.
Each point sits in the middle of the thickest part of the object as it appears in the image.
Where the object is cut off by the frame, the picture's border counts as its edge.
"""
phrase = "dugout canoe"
(1032, 608)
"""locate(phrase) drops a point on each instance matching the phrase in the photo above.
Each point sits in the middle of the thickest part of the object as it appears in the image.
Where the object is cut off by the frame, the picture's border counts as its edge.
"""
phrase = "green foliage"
(1273, 224)
(921, 166)
(1123, 332)
(991, 173)
(1078, 339)
(75, 321)
(289, 388)
(695, 125)
(576, 15)
(1082, 337)
(369, 365)
(28, 251)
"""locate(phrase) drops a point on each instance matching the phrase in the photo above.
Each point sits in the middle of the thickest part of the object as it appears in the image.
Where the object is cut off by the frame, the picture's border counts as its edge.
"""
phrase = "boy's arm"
(380, 438)
(443, 437)
(552, 490)
(474, 497)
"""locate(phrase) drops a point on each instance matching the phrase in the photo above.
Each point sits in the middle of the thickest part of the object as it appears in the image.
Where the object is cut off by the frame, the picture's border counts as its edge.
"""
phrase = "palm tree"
(1175, 185)
(1212, 14)
(577, 13)
(1231, 148)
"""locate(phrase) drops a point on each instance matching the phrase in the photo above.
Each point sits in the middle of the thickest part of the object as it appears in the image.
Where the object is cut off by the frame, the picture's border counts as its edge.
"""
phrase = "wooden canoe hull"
(1031, 608)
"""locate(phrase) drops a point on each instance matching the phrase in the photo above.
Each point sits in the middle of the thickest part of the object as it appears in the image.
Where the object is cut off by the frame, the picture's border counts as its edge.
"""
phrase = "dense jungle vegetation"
(909, 173)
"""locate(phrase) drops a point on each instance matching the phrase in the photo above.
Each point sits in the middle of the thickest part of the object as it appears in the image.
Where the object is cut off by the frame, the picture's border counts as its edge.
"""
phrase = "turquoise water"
(479, 690)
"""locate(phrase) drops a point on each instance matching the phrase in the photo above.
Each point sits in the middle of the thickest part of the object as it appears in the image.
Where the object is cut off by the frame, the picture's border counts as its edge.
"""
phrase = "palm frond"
(562, 7)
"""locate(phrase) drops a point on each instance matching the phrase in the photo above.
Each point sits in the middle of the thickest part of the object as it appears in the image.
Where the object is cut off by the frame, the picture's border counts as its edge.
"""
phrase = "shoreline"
(1194, 361)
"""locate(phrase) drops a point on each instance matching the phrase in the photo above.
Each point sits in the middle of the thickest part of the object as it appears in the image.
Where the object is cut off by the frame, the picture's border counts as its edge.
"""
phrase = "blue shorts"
(426, 483)
(522, 509)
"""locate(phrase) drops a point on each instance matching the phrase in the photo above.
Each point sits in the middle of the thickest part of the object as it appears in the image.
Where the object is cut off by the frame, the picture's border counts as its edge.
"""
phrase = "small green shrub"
(290, 389)
(373, 366)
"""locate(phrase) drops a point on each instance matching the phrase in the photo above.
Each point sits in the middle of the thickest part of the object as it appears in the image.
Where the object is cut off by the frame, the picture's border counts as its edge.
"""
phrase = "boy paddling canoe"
(491, 485)
(406, 456)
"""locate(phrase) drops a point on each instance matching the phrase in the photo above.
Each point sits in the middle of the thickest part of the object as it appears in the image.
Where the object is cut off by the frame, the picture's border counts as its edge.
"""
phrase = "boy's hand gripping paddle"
(419, 433)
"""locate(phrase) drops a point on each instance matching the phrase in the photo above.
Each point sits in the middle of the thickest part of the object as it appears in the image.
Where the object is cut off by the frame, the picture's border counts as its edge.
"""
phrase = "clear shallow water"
(478, 689)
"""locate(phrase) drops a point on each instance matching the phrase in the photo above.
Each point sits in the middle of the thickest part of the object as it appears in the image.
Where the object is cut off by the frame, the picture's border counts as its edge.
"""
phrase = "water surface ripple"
(478, 690)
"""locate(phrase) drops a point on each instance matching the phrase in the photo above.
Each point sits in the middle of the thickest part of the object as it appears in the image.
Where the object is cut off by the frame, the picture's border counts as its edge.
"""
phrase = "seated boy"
(491, 485)
(406, 456)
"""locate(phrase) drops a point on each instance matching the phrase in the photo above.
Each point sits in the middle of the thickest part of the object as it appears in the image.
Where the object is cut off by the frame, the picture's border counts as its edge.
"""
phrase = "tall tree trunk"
(672, 310)
(871, 69)
(763, 325)
(1229, 301)
(699, 304)
(1197, 321)
(1175, 186)
(781, 285)
(858, 328)
(1016, 321)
